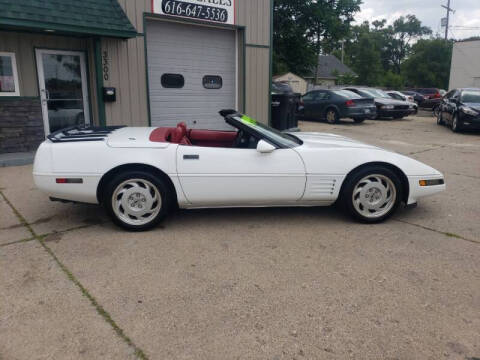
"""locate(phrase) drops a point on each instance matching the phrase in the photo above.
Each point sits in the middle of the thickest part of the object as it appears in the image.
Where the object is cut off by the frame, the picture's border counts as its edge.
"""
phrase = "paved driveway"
(250, 284)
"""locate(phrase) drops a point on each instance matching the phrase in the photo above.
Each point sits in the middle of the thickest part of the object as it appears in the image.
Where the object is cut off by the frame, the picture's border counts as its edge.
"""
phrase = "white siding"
(465, 68)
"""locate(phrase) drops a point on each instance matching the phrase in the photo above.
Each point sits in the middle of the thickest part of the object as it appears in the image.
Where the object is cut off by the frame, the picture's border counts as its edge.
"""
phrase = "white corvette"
(141, 174)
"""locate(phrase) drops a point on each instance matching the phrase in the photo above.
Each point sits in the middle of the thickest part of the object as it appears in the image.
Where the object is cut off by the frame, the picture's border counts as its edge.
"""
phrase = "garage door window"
(174, 81)
(8, 75)
(212, 82)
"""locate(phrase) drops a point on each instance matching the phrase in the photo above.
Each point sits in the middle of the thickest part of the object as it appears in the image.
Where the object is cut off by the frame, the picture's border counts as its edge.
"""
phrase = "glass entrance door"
(63, 89)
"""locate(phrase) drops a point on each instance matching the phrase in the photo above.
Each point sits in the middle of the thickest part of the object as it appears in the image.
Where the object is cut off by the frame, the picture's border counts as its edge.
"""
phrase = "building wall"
(465, 68)
(125, 60)
(298, 84)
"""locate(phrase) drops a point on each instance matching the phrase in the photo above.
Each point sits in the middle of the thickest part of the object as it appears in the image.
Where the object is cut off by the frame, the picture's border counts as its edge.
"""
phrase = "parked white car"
(141, 174)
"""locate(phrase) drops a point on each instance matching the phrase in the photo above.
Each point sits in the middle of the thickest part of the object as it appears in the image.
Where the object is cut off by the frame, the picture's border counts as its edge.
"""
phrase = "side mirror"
(264, 147)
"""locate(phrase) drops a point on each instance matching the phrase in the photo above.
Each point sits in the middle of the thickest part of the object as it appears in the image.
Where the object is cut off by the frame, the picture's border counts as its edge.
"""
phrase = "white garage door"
(191, 73)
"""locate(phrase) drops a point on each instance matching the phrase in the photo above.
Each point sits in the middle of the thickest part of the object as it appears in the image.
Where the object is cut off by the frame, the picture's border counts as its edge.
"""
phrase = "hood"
(325, 140)
(386, 101)
(475, 106)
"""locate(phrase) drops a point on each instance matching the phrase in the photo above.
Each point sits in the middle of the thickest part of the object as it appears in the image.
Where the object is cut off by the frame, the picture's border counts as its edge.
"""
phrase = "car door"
(212, 176)
(308, 103)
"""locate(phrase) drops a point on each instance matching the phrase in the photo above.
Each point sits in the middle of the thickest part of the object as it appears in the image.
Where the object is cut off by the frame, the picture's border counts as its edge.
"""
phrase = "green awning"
(81, 17)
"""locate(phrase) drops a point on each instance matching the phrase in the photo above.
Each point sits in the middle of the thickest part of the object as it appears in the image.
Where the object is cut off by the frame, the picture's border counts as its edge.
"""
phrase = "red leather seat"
(179, 135)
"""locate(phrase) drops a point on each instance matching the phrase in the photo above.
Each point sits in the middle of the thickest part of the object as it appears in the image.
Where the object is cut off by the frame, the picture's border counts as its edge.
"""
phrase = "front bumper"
(418, 191)
(469, 122)
(395, 113)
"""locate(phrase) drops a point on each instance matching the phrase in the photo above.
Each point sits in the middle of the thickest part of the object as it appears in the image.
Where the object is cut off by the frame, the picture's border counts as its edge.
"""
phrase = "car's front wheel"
(372, 194)
(439, 118)
(137, 200)
(455, 124)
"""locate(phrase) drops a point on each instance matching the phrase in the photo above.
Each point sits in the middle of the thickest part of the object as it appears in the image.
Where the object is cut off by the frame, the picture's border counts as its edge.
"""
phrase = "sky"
(467, 14)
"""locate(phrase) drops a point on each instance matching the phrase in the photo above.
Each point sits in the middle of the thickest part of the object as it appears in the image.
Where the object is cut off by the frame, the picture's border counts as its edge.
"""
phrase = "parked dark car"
(386, 106)
(332, 105)
(397, 95)
(431, 97)
(417, 97)
(460, 109)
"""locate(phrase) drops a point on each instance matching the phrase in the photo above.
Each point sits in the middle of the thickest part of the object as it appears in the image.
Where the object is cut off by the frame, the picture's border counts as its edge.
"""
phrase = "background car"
(460, 109)
(332, 105)
(397, 95)
(417, 97)
(386, 106)
(431, 96)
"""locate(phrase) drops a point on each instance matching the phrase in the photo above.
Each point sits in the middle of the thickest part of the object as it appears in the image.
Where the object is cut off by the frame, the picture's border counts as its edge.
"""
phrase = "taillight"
(301, 102)
(350, 103)
(437, 96)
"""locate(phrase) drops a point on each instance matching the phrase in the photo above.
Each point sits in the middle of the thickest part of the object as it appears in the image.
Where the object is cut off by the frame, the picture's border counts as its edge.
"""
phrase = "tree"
(329, 21)
(291, 48)
(366, 61)
(398, 38)
(429, 64)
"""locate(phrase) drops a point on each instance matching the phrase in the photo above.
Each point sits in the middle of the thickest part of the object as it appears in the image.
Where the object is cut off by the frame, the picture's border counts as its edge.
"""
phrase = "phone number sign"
(219, 11)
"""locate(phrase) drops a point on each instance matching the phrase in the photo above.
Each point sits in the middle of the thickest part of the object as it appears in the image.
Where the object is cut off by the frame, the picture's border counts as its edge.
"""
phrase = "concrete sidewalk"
(250, 283)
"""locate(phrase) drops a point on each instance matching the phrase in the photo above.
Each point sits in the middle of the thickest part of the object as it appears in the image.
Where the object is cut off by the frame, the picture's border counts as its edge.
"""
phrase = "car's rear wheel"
(359, 120)
(455, 124)
(372, 194)
(137, 200)
(332, 116)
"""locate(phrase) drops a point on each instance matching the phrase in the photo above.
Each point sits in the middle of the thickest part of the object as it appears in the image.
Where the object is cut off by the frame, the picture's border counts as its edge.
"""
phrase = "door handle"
(191, 157)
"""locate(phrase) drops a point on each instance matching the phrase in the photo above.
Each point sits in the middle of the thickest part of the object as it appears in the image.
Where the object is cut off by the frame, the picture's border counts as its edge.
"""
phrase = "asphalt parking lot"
(250, 283)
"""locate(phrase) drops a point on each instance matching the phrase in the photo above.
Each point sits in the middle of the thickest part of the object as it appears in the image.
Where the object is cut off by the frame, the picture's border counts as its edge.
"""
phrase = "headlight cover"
(469, 111)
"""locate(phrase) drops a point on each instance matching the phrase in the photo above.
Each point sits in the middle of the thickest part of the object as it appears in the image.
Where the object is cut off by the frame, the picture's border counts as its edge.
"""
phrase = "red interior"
(183, 136)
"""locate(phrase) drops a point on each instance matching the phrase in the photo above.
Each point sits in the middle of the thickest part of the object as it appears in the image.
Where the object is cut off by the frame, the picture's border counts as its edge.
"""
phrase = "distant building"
(329, 68)
(465, 68)
(297, 83)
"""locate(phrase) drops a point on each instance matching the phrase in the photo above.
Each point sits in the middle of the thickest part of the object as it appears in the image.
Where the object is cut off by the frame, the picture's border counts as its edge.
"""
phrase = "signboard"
(218, 11)
(444, 22)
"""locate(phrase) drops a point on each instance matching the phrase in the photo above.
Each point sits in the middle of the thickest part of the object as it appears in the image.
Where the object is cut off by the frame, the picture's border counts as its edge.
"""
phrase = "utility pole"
(449, 10)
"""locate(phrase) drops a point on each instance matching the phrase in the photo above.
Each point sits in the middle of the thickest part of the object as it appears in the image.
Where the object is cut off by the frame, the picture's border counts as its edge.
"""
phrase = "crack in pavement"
(438, 231)
(99, 308)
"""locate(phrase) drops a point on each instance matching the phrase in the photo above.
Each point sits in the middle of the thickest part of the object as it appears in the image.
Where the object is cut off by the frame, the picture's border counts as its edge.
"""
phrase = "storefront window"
(8, 75)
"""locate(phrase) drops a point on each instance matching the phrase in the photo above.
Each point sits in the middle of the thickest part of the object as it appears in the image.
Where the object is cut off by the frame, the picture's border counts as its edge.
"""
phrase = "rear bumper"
(86, 192)
(430, 103)
(361, 112)
(395, 113)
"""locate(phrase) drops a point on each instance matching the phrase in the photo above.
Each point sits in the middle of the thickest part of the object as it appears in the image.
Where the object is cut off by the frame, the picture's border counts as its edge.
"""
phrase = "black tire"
(439, 119)
(456, 127)
(359, 120)
(346, 196)
(163, 191)
(332, 116)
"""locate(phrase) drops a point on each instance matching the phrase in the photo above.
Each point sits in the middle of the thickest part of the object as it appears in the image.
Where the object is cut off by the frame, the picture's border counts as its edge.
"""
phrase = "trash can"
(284, 107)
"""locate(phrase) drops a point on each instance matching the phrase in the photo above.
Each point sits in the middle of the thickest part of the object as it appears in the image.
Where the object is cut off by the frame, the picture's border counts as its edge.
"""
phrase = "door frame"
(41, 83)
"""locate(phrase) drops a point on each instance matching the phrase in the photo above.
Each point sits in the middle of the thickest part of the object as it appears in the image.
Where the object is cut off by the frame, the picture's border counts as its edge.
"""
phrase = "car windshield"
(347, 94)
(286, 140)
(471, 96)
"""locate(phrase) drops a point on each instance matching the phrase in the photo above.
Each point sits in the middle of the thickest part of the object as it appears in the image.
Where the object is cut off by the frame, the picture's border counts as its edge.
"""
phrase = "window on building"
(174, 81)
(212, 82)
(8, 75)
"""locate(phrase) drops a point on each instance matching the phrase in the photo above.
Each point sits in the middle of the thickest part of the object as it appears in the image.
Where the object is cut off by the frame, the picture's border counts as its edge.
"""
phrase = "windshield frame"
(263, 132)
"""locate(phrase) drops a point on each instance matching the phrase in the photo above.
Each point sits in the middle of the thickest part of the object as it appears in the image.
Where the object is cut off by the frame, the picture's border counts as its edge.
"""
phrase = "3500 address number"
(172, 7)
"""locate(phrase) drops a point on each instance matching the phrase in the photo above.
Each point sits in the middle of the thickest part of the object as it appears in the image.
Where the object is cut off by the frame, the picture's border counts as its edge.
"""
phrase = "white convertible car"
(141, 174)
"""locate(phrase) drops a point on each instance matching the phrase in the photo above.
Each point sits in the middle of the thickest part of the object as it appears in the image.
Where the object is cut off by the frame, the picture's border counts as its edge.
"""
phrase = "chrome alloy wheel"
(136, 201)
(374, 196)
